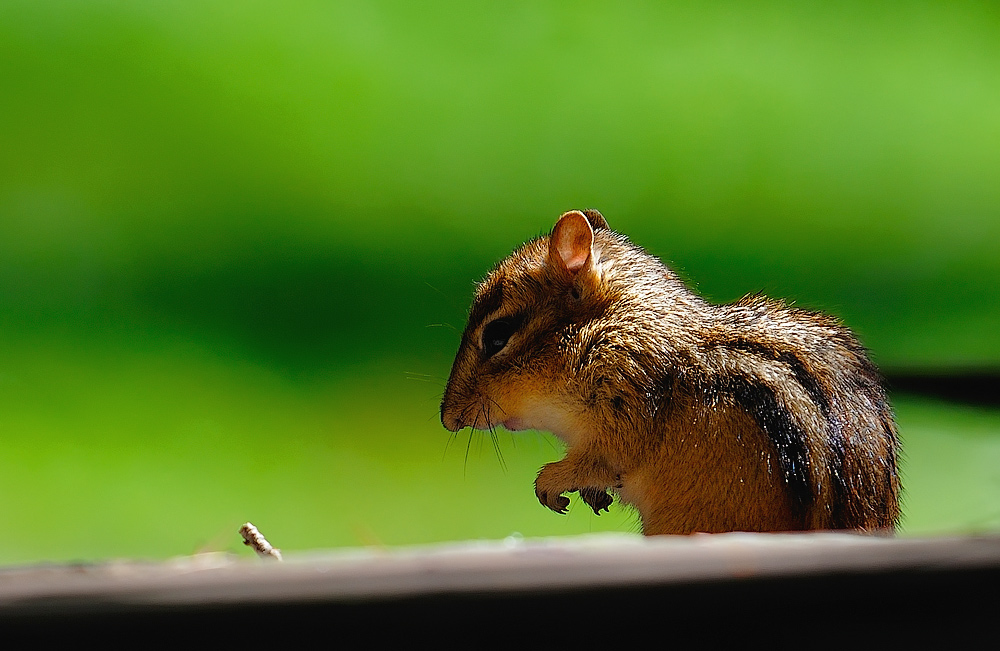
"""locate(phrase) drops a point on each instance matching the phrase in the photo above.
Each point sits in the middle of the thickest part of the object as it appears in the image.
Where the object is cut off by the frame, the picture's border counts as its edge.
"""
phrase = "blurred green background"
(238, 240)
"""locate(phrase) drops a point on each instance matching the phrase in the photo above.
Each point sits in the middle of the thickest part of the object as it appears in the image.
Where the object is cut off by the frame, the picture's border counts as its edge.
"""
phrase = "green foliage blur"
(238, 240)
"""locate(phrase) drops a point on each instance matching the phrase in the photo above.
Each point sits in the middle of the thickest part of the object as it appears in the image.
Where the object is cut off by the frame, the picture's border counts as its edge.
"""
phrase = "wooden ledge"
(792, 581)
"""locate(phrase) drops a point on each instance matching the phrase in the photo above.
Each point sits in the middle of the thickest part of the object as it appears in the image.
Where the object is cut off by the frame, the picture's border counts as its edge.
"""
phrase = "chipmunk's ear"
(596, 219)
(571, 242)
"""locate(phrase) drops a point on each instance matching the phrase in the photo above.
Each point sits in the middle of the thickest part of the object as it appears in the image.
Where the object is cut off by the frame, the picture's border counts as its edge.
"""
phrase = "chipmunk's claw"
(555, 479)
(596, 499)
(556, 502)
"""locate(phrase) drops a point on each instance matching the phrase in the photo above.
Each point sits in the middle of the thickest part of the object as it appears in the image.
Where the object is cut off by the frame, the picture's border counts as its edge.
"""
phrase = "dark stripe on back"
(840, 518)
(840, 492)
(761, 402)
(806, 380)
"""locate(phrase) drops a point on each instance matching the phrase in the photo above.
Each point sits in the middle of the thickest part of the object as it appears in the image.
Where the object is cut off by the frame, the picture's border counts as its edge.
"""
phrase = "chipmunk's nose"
(451, 417)
(451, 422)
(453, 405)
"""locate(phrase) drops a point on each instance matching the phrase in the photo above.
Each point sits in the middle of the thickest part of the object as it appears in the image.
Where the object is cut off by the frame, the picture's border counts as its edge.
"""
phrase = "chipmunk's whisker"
(468, 445)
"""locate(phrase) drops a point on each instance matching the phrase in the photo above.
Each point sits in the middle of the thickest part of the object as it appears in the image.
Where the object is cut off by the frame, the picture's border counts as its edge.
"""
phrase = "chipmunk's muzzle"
(456, 410)
(459, 411)
(450, 420)
(455, 418)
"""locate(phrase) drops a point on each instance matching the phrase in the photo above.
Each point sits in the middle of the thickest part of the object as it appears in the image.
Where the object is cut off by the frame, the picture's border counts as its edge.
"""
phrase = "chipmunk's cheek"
(536, 414)
(515, 424)
(514, 413)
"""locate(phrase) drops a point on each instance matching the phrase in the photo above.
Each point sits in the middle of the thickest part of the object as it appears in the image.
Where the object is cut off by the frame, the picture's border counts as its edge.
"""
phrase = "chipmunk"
(749, 416)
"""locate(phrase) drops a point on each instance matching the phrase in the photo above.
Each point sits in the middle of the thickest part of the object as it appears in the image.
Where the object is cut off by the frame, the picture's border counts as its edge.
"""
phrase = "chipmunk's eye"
(496, 333)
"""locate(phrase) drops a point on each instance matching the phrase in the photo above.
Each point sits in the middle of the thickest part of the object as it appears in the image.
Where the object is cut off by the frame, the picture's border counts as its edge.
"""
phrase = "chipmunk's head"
(513, 364)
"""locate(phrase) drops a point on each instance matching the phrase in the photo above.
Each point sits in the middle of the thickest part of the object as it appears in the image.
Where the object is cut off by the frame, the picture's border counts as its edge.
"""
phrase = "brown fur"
(750, 416)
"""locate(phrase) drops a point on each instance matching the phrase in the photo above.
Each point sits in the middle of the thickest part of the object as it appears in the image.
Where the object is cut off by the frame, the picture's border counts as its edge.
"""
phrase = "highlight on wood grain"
(255, 539)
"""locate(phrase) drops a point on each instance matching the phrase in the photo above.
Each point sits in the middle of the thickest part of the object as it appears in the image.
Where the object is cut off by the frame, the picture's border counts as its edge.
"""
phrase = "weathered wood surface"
(792, 580)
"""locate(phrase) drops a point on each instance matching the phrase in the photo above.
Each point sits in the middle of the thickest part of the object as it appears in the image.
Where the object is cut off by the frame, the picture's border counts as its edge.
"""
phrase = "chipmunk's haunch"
(750, 416)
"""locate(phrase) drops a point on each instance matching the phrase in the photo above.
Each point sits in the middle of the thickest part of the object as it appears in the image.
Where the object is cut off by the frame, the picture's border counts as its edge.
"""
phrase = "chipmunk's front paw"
(555, 501)
(596, 499)
(549, 488)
